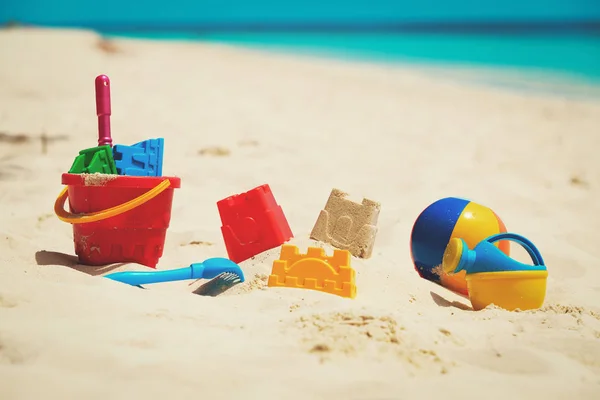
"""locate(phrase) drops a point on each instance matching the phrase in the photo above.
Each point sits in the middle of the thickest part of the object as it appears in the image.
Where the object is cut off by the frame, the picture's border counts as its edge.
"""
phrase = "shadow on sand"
(212, 288)
(44, 257)
(442, 302)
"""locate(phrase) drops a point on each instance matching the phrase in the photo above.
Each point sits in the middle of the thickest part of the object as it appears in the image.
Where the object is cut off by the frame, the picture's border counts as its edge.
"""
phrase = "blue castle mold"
(141, 159)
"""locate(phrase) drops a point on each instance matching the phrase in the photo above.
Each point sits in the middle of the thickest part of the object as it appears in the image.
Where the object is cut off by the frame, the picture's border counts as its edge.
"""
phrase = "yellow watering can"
(495, 278)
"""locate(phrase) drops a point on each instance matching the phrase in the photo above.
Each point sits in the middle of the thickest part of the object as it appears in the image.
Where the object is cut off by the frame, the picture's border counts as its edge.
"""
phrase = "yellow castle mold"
(314, 270)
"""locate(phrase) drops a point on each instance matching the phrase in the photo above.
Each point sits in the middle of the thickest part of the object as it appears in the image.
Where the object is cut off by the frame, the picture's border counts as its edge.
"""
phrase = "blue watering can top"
(486, 257)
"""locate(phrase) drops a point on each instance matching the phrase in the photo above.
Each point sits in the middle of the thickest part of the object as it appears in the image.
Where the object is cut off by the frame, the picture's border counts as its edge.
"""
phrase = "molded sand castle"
(348, 225)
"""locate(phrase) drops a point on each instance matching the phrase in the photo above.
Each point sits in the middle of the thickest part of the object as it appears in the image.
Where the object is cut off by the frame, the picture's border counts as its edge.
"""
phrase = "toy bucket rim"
(480, 276)
(65, 216)
(122, 181)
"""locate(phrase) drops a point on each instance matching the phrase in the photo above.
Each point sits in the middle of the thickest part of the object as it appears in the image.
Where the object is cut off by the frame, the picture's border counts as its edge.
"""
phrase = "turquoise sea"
(547, 37)
(572, 56)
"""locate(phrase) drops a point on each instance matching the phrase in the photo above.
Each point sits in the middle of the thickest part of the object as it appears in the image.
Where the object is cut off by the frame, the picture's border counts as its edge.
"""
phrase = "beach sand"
(234, 119)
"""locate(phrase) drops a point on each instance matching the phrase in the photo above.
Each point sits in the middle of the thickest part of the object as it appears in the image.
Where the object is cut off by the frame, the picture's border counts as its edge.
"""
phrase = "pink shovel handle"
(103, 110)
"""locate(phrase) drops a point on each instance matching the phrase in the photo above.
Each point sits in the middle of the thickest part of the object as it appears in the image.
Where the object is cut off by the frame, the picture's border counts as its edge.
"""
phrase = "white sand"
(397, 136)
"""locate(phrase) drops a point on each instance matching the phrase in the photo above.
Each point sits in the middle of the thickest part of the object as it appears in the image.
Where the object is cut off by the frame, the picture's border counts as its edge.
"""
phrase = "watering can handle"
(59, 206)
(524, 242)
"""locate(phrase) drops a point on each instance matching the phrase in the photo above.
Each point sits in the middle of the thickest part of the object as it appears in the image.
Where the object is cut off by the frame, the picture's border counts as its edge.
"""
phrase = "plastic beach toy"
(124, 219)
(103, 110)
(141, 159)
(98, 159)
(115, 218)
(94, 160)
(495, 278)
(442, 221)
(209, 269)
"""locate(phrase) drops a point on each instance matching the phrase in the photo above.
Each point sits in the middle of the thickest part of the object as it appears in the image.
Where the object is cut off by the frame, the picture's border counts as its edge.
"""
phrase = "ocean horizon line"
(457, 27)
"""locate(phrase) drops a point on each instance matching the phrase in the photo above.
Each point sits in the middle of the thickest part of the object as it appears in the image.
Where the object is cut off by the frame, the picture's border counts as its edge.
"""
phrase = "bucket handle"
(534, 253)
(65, 216)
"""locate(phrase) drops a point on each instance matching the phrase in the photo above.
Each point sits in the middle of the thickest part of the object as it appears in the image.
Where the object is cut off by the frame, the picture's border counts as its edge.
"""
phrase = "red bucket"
(117, 218)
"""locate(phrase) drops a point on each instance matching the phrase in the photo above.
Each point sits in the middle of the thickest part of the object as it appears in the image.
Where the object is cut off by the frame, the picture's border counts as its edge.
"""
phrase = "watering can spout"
(457, 257)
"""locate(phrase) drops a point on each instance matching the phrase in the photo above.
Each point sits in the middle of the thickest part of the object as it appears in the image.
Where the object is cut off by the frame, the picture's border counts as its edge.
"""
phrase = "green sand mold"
(94, 160)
